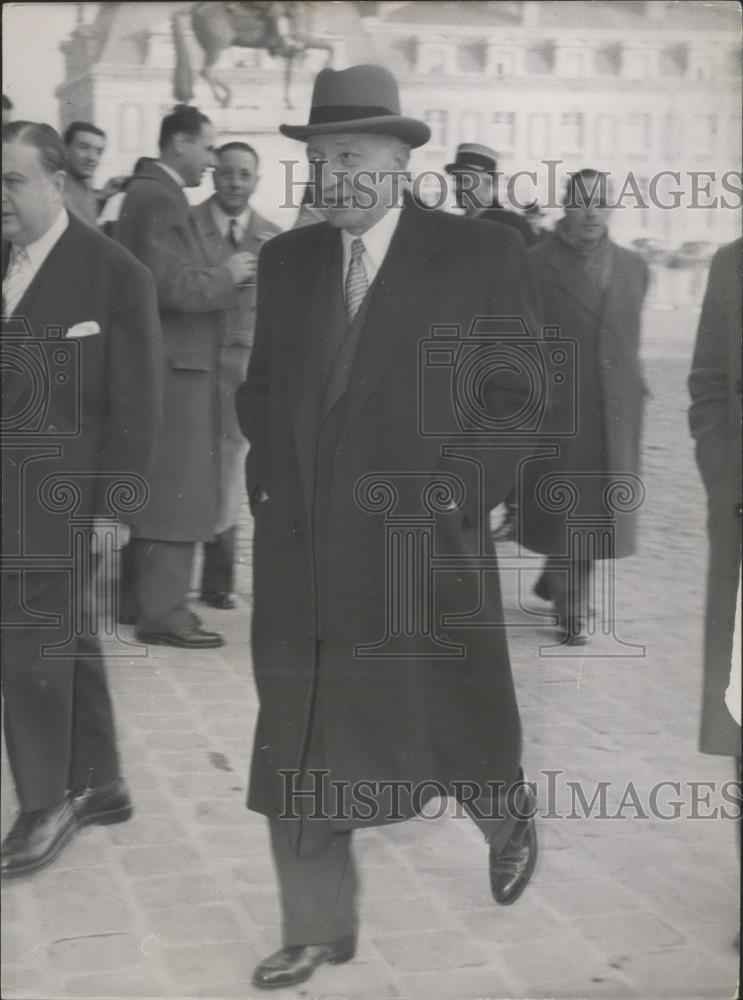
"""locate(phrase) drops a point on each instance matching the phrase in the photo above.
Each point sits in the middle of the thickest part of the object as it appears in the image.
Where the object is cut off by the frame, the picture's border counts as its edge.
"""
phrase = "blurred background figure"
(593, 290)
(715, 423)
(227, 224)
(7, 110)
(475, 173)
(536, 217)
(84, 146)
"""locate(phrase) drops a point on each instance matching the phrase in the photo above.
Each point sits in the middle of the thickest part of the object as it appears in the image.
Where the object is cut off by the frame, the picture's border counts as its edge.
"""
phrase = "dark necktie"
(234, 233)
(357, 283)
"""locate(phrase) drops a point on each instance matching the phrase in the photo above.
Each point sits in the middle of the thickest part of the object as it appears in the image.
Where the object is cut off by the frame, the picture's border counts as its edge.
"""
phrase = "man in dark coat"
(475, 173)
(157, 225)
(593, 291)
(715, 422)
(227, 223)
(349, 408)
(81, 403)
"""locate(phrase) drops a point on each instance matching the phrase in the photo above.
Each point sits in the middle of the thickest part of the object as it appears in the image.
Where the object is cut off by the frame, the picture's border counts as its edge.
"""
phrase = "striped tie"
(357, 283)
(16, 280)
(234, 233)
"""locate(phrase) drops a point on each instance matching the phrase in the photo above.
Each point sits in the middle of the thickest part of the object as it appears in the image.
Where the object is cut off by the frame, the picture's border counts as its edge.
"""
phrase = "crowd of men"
(219, 358)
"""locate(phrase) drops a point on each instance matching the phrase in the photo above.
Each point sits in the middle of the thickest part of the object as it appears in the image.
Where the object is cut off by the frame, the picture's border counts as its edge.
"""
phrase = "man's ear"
(59, 183)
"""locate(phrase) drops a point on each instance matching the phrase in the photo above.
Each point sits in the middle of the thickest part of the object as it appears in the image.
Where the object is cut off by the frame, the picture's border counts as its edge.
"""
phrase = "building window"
(539, 135)
(571, 132)
(637, 138)
(433, 61)
(671, 144)
(437, 122)
(703, 135)
(470, 127)
(606, 129)
(504, 131)
(503, 63)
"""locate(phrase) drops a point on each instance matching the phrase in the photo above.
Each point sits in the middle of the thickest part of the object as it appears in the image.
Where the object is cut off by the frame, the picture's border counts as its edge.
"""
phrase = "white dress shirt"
(222, 220)
(18, 279)
(376, 244)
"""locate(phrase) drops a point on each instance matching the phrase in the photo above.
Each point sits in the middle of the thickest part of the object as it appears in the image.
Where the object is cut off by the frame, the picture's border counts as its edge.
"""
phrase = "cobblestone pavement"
(180, 902)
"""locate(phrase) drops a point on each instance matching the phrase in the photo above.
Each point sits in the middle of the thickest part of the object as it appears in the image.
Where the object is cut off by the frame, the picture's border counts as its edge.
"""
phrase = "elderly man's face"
(32, 197)
(84, 152)
(360, 177)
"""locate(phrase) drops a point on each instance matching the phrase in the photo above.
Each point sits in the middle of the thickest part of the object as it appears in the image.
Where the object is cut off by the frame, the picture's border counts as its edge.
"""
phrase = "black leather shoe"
(575, 631)
(219, 599)
(192, 637)
(105, 804)
(511, 869)
(296, 963)
(36, 838)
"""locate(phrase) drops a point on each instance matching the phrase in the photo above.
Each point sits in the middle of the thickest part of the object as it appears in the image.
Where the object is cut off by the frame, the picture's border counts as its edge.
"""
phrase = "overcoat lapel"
(569, 278)
(412, 271)
(313, 305)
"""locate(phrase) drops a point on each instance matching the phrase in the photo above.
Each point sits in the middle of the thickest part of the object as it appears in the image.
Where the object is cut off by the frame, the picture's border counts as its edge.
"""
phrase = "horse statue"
(282, 29)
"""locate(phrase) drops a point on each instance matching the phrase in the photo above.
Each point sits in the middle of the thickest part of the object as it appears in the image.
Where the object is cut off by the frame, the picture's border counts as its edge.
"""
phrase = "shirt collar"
(222, 219)
(171, 173)
(40, 249)
(377, 239)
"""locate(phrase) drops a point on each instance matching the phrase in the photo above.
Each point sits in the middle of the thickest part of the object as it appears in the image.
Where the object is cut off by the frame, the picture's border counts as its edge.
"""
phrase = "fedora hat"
(472, 156)
(358, 99)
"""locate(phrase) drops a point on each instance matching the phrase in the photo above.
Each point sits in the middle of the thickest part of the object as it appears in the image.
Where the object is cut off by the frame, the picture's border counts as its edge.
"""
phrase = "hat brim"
(415, 133)
(465, 168)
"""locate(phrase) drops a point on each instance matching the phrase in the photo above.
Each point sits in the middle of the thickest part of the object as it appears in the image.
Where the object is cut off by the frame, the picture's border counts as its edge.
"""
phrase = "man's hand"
(112, 186)
(103, 526)
(242, 267)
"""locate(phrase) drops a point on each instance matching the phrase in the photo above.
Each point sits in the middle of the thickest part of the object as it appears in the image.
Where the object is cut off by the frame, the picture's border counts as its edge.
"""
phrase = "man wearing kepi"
(330, 407)
(81, 399)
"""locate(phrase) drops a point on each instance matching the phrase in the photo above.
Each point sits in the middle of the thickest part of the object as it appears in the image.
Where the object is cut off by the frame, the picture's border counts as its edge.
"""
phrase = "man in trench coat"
(715, 422)
(348, 419)
(156, 224)
(227, 222)
(593, 291)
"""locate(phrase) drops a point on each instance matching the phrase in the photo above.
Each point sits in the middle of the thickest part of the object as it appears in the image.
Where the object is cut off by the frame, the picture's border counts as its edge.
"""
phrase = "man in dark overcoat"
(81, 353)
(227, 223)
(592, 290)
(715, 422)
(157, 225)
(359, 676)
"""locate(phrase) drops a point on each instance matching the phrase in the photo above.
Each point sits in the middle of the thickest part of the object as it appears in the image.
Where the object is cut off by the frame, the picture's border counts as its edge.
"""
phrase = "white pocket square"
(86, 329)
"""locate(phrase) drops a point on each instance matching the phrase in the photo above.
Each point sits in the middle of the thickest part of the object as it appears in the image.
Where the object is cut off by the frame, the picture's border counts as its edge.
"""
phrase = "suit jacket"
(156, 224)
(394, 705)
(506, 217)
(236, 339)
(715, 422)
(84, 409)
(607, 394)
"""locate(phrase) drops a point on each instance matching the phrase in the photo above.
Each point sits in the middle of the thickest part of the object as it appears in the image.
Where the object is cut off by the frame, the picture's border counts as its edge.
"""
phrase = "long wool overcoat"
(157, 225)
(437, 705)
(715, 421)
(598, 423)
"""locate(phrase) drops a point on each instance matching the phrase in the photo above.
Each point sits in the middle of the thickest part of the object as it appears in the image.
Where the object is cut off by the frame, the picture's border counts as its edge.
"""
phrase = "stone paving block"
(125, 984)
(615, 932)
(164, 722)
(85, 850)
(174, 928)
(177, 891)
(252, 871)
(680, 973)
(219, 812)
(90, 883)
(262, 905)
(422, 950)
(581, 899)
(145, 829)
(229, 691)
(156, 859)
(187, 739)
(214, 784)
(184, 762)
(26, 981)
(83, 916)
(407, 913)
(491, 983)
(394, 881)
(105, 952)
(201, 965)
(568, 957)
(498, 924)
(230, 842)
